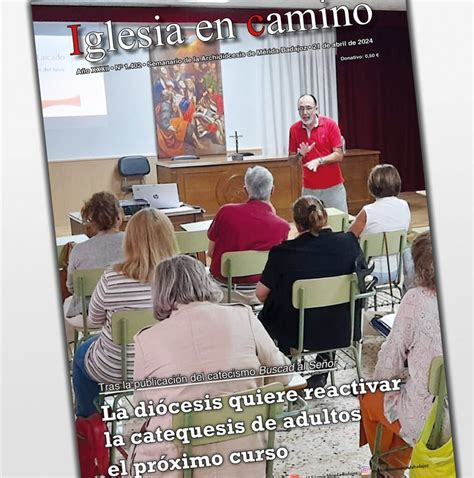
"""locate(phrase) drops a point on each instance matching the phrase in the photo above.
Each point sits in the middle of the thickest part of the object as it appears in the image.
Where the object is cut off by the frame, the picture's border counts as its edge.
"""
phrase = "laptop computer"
(160, 196)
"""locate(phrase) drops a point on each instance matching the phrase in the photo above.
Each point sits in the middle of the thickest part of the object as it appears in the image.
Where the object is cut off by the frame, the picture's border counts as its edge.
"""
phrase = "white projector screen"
(63, 92)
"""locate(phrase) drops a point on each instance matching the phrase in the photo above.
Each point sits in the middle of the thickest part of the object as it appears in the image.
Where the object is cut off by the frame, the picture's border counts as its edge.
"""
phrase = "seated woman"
(149, 238)
(102, 212)
(413, 342)
(388, 213)
(198, 334)
(316, 253)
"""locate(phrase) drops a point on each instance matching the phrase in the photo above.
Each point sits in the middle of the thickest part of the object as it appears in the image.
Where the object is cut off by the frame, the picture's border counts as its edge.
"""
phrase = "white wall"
(129, 127)
(241, 91)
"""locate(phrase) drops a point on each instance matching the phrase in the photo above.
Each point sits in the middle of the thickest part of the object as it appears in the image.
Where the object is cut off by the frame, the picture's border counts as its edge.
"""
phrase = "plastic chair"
(125, 325)
(241, 264)
(386, 244)
(437, 388)
(326, 292)
(214, 417)
(338, 220)
(84, 282)
(193, 242)
(132, 167)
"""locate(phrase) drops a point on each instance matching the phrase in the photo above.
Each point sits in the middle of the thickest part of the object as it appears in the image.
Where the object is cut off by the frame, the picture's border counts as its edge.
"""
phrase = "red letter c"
(251, 29)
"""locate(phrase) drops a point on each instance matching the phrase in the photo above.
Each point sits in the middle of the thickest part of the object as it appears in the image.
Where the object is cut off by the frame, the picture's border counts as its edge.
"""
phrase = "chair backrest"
(323, 292)
(59, 250)
(84, 282)
(214, 417)
(437, 387)
(63, 251)
(191, 242)
(311, 293)
(129, 166)
(373, 245)
(125, 325)
(132, 167)
(338, 220)
(242, 264)
(416, 231)
(385, 244)
(436, 375)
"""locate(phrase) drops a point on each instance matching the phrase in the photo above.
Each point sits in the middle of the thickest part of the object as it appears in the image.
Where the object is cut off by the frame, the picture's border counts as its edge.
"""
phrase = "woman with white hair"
(197, 334)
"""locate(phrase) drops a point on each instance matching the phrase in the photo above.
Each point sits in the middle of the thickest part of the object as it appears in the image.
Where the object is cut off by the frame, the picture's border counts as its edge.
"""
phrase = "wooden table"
(177, 217)
(215, 181)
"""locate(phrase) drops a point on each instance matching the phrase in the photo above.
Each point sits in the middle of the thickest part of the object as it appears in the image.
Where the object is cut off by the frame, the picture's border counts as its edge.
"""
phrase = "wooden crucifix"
(236, 137)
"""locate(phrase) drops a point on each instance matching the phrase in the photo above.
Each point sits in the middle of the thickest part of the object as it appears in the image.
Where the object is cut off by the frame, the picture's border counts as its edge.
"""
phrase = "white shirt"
(386, 215)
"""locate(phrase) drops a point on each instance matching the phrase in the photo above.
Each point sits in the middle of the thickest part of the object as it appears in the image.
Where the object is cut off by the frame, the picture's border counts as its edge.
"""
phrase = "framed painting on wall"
(187, 99)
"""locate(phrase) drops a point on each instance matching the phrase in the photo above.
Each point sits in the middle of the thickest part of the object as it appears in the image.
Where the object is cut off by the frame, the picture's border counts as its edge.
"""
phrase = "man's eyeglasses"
(306, 109)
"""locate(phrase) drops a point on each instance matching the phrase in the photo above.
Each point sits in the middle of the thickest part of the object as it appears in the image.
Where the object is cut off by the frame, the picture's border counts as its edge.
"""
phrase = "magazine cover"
(243, 240)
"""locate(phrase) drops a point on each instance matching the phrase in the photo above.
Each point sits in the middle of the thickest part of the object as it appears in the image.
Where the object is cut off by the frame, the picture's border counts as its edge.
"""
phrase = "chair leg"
(76, 340)
(113, 450)
(358, 358)
(375, 460)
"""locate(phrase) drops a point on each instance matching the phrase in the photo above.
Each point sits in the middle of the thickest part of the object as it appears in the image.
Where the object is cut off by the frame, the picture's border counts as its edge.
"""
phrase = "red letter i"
(75, 39)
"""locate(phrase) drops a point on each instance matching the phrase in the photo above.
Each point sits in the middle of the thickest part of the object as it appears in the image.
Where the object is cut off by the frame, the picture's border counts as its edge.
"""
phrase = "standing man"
(316, 143)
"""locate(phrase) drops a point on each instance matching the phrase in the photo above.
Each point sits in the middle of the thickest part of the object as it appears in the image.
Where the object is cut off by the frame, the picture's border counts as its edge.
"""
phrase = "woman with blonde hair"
(149, 238)
(103, 215)
(316, 253)
(413, 342)
(198, 334)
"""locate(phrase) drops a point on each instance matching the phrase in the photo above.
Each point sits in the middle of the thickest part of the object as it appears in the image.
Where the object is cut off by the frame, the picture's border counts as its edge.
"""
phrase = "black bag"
(363, 270)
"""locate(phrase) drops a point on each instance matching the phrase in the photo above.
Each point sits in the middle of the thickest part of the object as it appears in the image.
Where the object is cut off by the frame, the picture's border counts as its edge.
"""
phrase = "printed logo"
(365, 470)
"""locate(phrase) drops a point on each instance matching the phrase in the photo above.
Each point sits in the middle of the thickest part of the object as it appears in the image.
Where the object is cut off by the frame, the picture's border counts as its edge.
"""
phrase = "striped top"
(113, 292)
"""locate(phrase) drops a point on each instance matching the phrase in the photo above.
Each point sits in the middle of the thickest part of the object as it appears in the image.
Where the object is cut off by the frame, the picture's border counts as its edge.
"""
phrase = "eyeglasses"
(306, 109)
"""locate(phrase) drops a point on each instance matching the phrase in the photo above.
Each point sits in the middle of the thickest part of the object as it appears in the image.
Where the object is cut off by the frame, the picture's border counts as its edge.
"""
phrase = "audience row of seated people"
(188, 303)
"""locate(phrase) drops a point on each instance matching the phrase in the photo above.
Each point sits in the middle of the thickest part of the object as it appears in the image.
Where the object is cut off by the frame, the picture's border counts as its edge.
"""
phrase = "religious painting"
(188, 100)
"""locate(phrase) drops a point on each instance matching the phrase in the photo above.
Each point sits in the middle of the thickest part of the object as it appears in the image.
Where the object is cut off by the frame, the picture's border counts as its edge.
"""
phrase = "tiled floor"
(326, 450)
(329, 450)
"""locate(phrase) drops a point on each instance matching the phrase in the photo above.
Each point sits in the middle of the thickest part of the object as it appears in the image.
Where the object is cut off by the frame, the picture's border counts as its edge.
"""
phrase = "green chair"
(193, 242)
(385, 244)
(416, 231)
(338, 220)
(59, 251)
(84, 282)
(326, 292)
(214, 417)
(125, 325)
(241, 264)
(437, 388)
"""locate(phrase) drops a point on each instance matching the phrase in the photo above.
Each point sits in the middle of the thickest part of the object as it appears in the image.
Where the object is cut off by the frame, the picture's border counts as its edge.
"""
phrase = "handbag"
(94, 457)
(432, 463)
(363, 272)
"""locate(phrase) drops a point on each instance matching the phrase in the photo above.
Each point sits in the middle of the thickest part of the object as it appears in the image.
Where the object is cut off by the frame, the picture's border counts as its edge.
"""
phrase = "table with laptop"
(164, 197)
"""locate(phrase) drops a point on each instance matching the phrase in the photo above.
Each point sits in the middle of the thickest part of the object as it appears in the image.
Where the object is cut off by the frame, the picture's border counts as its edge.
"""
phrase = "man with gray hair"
(249, 226)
